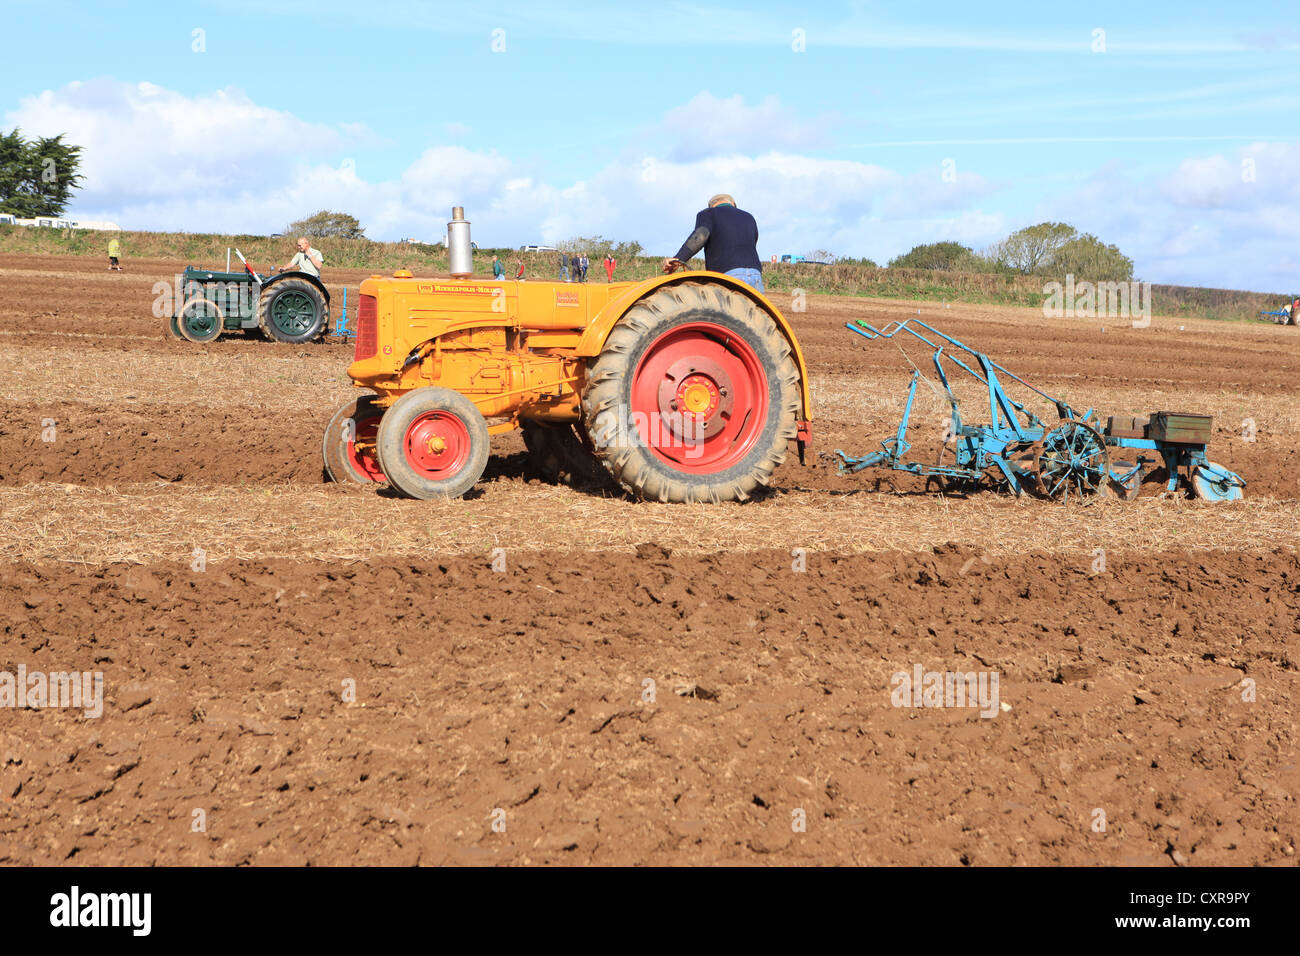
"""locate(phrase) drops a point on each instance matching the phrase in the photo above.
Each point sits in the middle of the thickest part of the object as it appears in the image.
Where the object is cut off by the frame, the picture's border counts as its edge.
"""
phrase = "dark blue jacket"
(729, 237)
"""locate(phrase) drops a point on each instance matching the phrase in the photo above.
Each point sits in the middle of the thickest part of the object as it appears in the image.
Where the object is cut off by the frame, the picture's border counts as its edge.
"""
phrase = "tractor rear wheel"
(433, 443)
(174, 329)
(200, 320)
(559, 455)
(349, 445)
(292, 311)
(694, 397)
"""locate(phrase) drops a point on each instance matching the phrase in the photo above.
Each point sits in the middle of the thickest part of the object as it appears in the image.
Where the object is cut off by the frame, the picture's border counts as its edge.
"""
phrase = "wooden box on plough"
(1073, 455)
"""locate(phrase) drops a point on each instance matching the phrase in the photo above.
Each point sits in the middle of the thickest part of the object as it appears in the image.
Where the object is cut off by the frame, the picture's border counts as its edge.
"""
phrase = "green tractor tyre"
(199, 320)
(292, 311)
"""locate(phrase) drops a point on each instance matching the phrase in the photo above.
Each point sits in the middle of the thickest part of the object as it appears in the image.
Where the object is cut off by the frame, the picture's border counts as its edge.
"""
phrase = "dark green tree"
(944, 256)
(327, 225)
(37, 177)
(1030, 250)
(1087, 257)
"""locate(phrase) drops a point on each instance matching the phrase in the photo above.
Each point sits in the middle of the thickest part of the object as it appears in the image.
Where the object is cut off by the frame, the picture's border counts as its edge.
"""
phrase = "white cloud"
(1223, 220)
(143, 142)
(707, 125)
(157, 159)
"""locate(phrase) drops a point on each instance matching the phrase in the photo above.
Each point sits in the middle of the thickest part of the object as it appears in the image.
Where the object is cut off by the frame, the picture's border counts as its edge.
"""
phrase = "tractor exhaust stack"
(460, 252)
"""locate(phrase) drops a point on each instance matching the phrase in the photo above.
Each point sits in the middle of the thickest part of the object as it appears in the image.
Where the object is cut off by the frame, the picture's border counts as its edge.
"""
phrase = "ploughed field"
(336, 675)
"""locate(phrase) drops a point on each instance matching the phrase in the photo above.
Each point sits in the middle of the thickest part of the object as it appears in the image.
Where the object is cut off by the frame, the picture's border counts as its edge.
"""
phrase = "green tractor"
(289, 307)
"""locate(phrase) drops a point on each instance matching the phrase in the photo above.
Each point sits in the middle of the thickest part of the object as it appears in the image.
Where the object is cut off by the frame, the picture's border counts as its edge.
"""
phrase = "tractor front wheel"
(292, 311)
(200, 321)
(350, 440)
(433, 443)
(694, 397)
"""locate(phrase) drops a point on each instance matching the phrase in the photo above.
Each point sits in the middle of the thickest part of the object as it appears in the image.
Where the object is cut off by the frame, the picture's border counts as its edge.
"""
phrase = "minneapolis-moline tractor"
(685, 387)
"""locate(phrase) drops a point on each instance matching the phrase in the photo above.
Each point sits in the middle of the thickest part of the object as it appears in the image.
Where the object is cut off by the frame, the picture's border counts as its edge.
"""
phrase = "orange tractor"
(686, 387)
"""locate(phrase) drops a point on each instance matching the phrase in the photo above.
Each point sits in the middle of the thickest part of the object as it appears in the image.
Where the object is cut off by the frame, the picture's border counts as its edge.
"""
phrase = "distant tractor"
(685, 387)
(289, 307)
(1289, 314)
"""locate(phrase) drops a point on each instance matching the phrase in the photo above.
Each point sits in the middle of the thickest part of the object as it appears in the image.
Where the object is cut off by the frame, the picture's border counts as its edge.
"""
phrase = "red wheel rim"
(699, 398)
(437, 445)
(365, 431)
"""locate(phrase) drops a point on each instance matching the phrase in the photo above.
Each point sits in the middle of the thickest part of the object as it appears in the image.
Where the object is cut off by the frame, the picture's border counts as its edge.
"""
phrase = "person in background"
(519, 273)
(610, 263)
(307, 260)
(564, 266)
(498, 269)
(586, 264)
(729, 238)
(114, 252)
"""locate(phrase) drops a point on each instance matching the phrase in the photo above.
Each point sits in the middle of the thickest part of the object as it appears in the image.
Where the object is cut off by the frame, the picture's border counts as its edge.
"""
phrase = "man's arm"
(316, 260)
(696, 240)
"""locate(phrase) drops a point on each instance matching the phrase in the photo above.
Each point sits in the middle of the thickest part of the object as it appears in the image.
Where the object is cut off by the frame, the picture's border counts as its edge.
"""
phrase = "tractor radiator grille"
(367, 328)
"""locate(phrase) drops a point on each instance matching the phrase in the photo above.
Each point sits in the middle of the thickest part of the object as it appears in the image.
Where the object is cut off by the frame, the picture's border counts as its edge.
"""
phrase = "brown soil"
(523, 690)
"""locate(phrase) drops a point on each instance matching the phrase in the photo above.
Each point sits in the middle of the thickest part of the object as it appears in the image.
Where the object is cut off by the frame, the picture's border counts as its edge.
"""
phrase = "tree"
(943, 256)
(1030, 250)
(597, 247)
(37, 177)
(327, 225)
(627, 251)
(1087, 257)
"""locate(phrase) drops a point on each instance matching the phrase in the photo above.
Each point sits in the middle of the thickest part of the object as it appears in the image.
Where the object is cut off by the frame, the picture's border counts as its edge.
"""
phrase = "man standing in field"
(498, 269)
(307, 260)
(114, 252)
(609, 267)
(729, 238)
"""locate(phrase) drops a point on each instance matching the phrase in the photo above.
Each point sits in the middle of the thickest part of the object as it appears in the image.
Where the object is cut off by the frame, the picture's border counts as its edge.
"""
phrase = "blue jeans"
(752, 276)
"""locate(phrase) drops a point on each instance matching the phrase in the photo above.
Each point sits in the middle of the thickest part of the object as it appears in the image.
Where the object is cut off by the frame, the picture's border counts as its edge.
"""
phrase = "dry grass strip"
(151, 523)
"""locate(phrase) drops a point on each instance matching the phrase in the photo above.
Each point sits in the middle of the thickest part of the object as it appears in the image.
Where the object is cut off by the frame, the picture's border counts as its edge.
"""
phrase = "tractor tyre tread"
(608, 386)
(390, 443)
(267, 299)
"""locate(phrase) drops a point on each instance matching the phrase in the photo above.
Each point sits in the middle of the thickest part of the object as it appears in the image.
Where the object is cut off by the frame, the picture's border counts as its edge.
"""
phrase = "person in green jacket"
(498, 269)
(114, 253)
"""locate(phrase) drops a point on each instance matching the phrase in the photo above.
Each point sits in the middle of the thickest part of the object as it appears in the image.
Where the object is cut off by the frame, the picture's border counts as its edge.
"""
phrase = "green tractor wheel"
(174, 329)
(200, 320)
(292, 311)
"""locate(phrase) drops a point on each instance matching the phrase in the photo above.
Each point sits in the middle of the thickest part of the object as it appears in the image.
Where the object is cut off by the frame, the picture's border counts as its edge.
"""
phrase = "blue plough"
(1021, 452)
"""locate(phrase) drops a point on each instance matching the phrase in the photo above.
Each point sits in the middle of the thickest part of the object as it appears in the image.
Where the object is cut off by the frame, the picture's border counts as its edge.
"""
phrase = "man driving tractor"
(307, 260)
(729, 238)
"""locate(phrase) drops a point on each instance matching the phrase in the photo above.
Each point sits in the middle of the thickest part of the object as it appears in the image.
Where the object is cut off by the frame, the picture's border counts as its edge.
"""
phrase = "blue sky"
(1169, 129)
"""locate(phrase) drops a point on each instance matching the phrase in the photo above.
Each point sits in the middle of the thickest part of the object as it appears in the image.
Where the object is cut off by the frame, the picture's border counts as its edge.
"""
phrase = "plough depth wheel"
(1074, 458)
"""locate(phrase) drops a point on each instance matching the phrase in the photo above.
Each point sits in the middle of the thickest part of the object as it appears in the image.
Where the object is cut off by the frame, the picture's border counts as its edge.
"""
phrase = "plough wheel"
(433, 443)
(349, 445)
(1073, 458)
(1211, 485)
(695, 396)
